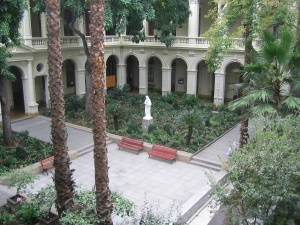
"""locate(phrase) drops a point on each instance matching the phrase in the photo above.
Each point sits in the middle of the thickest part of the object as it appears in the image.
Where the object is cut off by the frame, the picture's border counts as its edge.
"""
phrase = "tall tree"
(252, 17)
(263, 176)
(63, 175)
(11, 14)
(104, 205)
(121, 16)
(274, 69)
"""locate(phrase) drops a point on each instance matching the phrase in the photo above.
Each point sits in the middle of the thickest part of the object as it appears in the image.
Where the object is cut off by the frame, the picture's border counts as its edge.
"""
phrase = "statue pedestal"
(146, 122)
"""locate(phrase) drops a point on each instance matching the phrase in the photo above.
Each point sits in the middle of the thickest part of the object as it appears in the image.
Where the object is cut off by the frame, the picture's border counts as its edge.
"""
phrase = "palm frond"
(262, 109)
(291, 102)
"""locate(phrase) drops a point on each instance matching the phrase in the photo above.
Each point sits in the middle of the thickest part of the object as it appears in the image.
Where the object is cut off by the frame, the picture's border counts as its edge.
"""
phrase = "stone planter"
(51, 219)
(14, 201)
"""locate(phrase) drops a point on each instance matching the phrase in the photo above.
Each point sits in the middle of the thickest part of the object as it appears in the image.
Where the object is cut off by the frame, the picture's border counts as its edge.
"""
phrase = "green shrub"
(27, 213)
(189, 100)
(6, 218)
(133, 127)
(170, 98)
(9, 161)
(152, 127)
(21, 152)
(168, 128)
(74, 103)
(118, 92)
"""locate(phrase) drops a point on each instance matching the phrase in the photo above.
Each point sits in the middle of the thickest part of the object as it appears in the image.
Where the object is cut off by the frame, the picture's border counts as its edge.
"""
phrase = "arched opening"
(68, 75)
(179, 76)
(111, 72)
(205, 82)
(154, 74)
(132, 73)
(17, 104)
(232, 77)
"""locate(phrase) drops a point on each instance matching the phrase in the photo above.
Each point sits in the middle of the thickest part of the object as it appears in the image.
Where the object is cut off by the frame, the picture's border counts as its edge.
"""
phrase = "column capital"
(193, 1)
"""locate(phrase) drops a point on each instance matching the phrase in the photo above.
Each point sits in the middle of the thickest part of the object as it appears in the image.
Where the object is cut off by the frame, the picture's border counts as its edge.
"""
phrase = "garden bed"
(25, 151)
(169, 129)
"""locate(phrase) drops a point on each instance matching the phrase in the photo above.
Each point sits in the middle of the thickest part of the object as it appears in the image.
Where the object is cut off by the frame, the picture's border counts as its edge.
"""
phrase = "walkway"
(136, 176)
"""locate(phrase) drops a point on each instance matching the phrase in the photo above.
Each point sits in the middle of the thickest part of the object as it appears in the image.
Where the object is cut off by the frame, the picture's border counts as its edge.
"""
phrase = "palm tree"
(104, 205)
(63, 175)
(116, 110)
(274, 70)
(191, 119)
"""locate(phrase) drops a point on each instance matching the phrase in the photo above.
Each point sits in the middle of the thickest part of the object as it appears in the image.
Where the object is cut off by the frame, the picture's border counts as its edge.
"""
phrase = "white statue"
(147, 108)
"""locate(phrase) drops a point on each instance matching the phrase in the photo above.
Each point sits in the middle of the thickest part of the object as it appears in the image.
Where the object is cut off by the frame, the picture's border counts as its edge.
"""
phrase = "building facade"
(145, 66)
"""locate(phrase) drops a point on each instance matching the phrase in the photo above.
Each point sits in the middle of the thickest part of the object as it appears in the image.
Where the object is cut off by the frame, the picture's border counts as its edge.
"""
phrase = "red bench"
(163, 152)
(47, 164)
(131, 144)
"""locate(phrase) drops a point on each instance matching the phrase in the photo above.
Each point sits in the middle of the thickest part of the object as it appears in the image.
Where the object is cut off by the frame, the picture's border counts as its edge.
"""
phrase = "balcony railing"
(200, 42)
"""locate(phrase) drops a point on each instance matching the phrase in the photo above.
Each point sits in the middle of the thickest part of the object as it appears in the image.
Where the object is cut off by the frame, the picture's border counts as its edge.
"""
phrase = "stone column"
(191, 82)
(193, 23)
(166, 80)
(80, 28)
(47, 93)
(143, 80)
(31, 107)
(219, 89)
(43, 24)
(27, 28)
(121, 75)
(80, 82)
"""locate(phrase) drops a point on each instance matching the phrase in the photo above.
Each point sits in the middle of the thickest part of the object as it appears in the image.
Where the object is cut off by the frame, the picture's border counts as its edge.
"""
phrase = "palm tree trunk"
(63, 175)
(89, 91)
(5, 110)
(104, 205)
(189, 135)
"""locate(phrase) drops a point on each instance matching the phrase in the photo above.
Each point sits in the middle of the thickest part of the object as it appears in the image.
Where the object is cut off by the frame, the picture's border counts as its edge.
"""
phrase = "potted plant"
(20, 179)
(45, 199)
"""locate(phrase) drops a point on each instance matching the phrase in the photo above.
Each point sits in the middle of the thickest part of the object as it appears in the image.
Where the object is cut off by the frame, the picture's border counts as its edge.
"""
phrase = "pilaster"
(191, 82)
(80, 82)
(166, 80)
(121, 75)
(193, 23)
(143, 80)
(31, 107)
(27, 28)
(219, 90)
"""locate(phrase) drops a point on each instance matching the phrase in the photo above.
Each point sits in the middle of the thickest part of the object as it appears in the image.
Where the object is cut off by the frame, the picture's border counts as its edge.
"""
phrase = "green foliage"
(251, 21)
(117, 92)
(123, 206)
(20, 178)
(74, 103)
(169, 128)
(170, 98)
(272, 69)
(43, 199)
(152, 127)
(133, 127)
(27, 213)
(11, 15)
(264, 175)
(116, 110)
(190, 101)
(6, 218)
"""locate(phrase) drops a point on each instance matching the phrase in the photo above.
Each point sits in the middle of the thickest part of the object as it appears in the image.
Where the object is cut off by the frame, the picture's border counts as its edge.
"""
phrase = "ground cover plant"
(171, 128)
(25, 151)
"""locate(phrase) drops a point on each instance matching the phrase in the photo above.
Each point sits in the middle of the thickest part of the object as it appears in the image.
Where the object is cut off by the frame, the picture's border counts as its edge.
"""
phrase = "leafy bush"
(152, 127)
(6, 218)
(74, 103)
(189, 100)
(169, 128)
(21, 152)
(170, 98)
(118, 92)
(27, 213)
(133, 127)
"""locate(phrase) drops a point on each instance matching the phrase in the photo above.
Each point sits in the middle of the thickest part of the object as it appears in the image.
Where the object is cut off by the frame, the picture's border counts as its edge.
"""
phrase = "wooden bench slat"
(131, 144)
(47, 164)
(163, 152)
